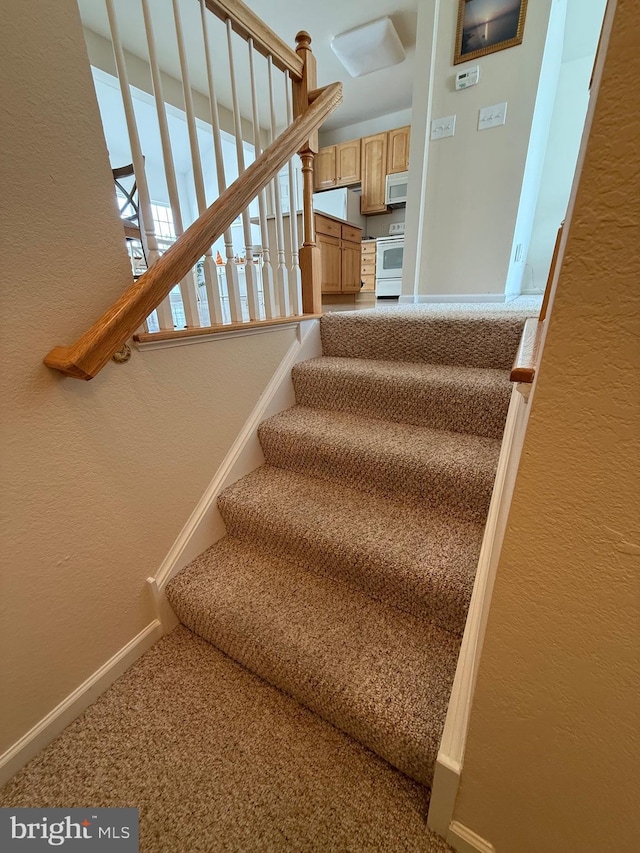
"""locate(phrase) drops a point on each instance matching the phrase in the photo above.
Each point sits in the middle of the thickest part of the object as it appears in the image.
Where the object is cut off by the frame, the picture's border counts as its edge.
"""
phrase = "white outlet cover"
(492, 116)
(441, 127)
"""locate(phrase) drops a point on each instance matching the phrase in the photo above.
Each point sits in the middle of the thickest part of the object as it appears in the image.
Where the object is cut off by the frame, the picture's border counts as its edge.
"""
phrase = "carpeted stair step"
(461, 338)
(469, 400)
(378, 674)
(438, 469)
(413, 558)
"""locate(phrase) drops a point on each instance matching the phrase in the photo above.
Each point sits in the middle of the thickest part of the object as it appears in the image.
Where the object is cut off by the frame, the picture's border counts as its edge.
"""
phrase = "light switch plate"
(441, 127)
(492, 116)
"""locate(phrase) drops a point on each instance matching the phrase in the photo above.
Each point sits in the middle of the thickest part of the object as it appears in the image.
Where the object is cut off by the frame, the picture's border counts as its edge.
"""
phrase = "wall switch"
(441, 127)
(492, 116)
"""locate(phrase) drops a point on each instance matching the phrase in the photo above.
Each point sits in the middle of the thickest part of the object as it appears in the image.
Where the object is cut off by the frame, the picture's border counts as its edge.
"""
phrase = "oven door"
(389, 257)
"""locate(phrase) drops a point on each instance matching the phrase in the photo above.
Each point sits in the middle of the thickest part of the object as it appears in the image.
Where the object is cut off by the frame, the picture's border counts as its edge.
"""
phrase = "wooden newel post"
(310, 261)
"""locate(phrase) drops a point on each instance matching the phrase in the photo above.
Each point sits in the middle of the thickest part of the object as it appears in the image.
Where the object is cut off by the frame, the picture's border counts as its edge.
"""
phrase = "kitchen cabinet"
(324, 168)
(374, 173)
(368, 268)
(337, 165)
(398, 150)
(340, 255)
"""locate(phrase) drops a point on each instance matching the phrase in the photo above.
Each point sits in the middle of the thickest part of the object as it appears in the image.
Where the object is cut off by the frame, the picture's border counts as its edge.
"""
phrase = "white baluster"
(295, 278)
(188, 285)
(249, 268)
(210, 271)
(231, 269)
(281, 272)
(147, 233)
(267, 268)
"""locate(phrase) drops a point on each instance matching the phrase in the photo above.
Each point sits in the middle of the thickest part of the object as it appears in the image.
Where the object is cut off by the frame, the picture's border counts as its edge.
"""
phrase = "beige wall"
(552, 755)
(97, 478)
(474, 179)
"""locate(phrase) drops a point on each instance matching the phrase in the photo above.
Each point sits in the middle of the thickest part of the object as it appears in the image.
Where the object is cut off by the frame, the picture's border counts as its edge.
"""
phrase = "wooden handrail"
(90, 353)
(527, 357)
(249, 26)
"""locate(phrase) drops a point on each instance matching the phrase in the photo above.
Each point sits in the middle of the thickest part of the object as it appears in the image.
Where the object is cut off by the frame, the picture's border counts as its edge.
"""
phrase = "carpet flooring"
(349, 561)
(216, 760)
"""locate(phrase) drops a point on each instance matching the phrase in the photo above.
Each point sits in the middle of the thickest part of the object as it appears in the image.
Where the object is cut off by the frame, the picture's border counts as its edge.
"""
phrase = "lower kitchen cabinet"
(340, 255)
(368, 273)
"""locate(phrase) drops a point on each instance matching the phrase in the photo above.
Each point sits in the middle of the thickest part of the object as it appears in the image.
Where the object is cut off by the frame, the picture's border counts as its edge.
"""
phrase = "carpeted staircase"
(347, 569)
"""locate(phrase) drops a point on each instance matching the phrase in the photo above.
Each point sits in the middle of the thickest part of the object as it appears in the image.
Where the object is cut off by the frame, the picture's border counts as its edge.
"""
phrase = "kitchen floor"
(529, 302)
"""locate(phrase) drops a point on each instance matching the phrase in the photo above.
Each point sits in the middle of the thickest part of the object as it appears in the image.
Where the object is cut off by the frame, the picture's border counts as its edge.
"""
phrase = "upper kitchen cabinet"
(337, 165)
(398, 150)
(348, 163)
(324, 168)
(374, 173)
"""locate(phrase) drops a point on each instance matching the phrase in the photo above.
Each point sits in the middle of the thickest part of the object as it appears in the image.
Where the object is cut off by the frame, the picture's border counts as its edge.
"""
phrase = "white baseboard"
(205, 526)
(464, 840)
(76, 702)
(450, 758)
(424, 298)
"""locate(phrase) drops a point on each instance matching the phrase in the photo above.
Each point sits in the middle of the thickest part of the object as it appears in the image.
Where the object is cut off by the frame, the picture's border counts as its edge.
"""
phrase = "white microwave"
(396, 193)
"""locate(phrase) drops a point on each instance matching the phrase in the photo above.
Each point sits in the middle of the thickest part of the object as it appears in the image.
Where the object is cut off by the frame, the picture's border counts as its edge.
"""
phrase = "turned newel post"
(310, 262)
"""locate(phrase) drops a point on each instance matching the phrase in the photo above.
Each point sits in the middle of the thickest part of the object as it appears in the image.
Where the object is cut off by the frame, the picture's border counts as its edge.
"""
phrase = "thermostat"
(467, 77)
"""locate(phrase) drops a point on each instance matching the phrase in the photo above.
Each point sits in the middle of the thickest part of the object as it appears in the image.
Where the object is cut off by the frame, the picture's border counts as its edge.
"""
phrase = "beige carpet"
(348, 566)
(217, 760)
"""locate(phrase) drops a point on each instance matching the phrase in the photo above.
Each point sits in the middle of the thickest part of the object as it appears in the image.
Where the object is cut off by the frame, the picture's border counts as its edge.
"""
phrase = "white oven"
(389, 257)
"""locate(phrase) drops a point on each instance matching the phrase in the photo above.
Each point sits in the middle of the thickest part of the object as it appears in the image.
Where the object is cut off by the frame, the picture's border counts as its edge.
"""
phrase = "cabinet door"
(374, 173)
(398, 151)
(351, 267)
(348, 163)
(330, 260)
(324, 168)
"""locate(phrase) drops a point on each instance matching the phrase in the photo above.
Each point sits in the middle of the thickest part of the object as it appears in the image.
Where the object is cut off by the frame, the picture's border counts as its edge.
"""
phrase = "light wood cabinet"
(368, 268)
(374, 174)
(324, 168)
(398, 150)
(340, 255)
(348, 163)
(337, 165)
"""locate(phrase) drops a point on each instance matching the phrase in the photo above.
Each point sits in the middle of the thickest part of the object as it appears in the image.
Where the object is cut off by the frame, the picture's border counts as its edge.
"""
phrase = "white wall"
(551, 758)
(474, 179)
(98, 478)
(584, 19)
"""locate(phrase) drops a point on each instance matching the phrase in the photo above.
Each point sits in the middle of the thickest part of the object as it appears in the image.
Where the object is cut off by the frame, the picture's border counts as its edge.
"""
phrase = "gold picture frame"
(487, 26)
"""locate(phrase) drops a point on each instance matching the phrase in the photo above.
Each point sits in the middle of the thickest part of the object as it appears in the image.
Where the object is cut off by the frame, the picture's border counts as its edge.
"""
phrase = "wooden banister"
(249, 26)
(85, 358)
(528, 355)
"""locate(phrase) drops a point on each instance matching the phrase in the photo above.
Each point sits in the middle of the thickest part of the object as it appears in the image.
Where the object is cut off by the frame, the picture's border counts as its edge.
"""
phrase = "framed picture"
(486, 26)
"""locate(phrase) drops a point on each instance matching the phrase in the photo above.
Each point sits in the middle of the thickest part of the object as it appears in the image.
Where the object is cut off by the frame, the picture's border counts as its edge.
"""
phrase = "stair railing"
(281, 278)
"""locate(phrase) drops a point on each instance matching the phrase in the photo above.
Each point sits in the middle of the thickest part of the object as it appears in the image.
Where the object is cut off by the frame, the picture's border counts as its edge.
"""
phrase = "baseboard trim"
(49, 727)
(424, 298)
(450, 758)
(205, 526)
(464, 840)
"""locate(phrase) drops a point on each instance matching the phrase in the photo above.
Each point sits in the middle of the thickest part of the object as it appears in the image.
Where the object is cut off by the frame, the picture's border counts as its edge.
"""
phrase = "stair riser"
(464, 493)
(475, 411)
(364, 564)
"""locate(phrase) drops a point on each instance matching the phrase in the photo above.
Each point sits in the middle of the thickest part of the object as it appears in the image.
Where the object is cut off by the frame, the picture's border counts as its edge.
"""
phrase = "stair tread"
(381, 675)
(424, 334)
(436, 467)
(408, 555)
(462, 399)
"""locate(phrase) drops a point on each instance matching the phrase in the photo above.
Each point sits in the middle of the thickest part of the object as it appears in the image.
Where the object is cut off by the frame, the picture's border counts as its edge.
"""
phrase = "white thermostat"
(467, 77)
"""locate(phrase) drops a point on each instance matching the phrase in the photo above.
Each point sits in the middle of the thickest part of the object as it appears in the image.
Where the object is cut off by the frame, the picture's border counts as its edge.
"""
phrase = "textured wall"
(551, 762)
(97, 478)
